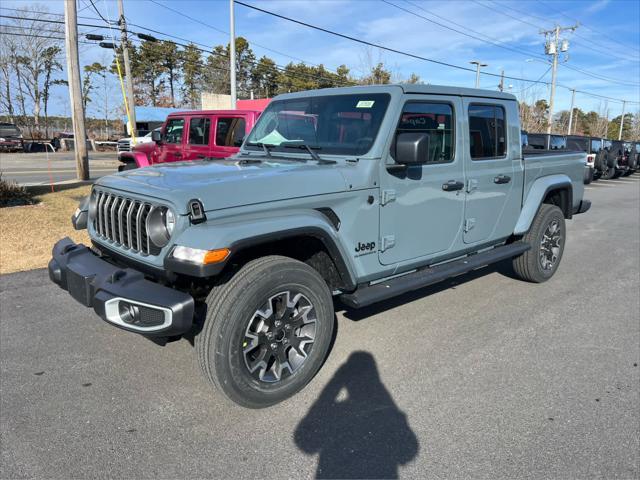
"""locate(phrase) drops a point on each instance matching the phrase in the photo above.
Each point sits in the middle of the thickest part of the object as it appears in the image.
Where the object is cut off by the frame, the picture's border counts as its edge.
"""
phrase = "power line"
(31, 35)
(519, 19)
(382, 47)
(227, 33)
(487, 39)
(582, 24)
(98, 12)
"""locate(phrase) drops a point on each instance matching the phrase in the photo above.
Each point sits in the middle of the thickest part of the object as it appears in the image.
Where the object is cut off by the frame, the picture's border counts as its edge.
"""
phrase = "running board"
(369, 294)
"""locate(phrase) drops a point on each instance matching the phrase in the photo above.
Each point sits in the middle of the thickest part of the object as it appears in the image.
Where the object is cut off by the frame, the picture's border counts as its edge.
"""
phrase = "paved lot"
(41, 168)
(483, 377)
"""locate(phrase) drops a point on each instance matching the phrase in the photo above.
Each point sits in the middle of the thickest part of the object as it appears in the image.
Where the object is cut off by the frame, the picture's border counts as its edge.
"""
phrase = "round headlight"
(159, 228)
(93, 205)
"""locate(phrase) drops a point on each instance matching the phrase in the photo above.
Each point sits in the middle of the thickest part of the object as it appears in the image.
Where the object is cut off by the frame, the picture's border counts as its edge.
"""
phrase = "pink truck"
(193, 135)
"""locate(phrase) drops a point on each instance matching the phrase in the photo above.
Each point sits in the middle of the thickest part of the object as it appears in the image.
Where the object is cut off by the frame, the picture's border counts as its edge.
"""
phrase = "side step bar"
(369, 294)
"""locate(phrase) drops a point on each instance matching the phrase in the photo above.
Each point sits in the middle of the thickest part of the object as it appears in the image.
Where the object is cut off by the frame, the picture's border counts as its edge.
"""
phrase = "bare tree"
(28, 61)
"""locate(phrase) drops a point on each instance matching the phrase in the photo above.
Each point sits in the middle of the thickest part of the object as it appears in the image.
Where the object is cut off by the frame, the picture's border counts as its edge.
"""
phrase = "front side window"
(173, 133)
(199, 131)
(576, 143)
(333, 124)
(487, 131)
(434, 119)
(230, 131)
(607, 144)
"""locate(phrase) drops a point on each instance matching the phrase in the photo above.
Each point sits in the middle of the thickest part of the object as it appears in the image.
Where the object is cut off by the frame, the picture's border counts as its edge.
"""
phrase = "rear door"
(199, 138)
(492, 200)
(230, 131)
(173, 139)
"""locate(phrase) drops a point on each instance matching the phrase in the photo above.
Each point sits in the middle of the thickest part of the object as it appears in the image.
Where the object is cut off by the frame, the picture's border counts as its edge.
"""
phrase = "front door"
(422, 206)
(230, 132)
(198, 139)
(492, 196)
(171, 149)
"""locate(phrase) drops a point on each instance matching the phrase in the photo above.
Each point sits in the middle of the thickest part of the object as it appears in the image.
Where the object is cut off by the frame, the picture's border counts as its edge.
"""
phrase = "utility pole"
(131, 101)
(501, 85)
(75, 92)
(553, 47)
(624, 103)
(573, 97)
(232, 54)
(478, 64)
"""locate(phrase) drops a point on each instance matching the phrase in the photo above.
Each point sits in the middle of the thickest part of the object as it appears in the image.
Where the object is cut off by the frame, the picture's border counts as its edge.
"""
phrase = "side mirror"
(412, 148)
(156, 136)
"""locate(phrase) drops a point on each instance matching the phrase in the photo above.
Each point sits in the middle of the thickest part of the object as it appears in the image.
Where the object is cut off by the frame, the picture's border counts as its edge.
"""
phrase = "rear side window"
(199, 129)
(230, 131)
(487, 131)
(580, 144)
(434, 119)
(596, 146)
(173, 133)
(557, 142)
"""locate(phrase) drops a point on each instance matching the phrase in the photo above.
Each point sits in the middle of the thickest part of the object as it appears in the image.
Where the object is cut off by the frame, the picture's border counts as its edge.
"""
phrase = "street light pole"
(624, 103)
(75, 92)
(573, 97)
(131, 101)
(478, 64)
(232, 54)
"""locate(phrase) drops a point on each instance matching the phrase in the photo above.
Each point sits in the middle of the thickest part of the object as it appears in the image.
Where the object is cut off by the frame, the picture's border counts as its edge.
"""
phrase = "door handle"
(502, 179)
(201, 156)
(452, 185)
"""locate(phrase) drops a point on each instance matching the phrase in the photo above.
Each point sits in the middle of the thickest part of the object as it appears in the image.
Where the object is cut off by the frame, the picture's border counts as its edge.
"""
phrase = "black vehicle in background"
(618, 160)
(631, 151)
(11, 138)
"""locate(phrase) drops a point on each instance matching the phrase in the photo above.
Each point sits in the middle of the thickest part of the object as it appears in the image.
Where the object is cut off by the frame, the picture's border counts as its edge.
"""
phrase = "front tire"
(546, 237)
(267, 331)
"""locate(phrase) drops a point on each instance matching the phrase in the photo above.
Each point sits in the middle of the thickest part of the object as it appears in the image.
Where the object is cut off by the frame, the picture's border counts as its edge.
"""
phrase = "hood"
(229, 183)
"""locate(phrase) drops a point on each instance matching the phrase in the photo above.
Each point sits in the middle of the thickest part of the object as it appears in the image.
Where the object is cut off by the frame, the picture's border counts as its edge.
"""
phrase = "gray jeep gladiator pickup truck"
(359, 193)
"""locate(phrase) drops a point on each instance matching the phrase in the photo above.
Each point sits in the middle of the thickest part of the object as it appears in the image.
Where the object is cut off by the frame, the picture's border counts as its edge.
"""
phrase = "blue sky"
(607, 43)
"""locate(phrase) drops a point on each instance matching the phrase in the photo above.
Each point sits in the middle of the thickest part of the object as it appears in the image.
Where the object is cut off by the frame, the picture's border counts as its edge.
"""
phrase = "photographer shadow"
(355, 426)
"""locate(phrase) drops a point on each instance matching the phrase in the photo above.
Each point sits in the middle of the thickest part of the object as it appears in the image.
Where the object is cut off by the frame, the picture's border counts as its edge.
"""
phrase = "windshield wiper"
(310, 149)
(266, 147)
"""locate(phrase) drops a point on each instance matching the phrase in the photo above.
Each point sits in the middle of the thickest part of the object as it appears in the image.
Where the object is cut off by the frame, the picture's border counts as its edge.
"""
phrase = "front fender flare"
(536, 195)
(139, 158)
(239, 233)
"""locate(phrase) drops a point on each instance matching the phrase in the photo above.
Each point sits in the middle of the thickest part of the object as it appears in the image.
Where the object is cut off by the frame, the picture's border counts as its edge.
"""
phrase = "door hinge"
(472, 184)
(387, 196)
(388, 242)
(469, 223)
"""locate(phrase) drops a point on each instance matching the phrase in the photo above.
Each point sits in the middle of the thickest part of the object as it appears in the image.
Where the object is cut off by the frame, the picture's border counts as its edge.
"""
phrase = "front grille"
(123, 221)
(124, 146)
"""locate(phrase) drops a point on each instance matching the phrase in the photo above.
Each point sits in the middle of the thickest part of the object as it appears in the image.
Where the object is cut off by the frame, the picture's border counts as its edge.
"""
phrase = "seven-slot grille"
(124, 221)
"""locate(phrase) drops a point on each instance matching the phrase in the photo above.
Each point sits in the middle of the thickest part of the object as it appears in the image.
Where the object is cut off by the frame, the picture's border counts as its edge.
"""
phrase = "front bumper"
(122, 297)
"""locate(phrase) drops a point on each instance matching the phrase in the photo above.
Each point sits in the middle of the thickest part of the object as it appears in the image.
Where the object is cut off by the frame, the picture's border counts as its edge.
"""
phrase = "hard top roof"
(402, 88)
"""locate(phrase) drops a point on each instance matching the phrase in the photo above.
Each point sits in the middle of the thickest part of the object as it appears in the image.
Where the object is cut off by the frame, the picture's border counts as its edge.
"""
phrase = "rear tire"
(546, 237)
(267, 331)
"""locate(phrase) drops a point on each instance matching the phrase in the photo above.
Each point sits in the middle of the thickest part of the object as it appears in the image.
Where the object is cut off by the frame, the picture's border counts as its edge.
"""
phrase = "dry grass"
(27, 233)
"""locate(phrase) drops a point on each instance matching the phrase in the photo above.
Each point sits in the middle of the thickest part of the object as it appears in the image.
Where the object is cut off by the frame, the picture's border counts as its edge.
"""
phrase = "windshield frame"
(253, 143)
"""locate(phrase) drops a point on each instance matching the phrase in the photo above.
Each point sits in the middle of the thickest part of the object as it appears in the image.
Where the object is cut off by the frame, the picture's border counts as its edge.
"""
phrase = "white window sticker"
(365, 104)
(441, 126)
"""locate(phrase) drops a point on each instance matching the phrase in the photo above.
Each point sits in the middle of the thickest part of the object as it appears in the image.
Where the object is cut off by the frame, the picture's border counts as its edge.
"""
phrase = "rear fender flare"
(537, 193)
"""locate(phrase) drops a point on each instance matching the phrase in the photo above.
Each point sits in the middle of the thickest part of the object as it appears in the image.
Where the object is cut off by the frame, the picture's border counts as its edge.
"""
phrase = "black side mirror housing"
(412, 148)
(156, 136)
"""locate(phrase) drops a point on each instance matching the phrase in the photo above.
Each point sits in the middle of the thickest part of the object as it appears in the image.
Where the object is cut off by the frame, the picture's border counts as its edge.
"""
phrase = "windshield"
(336, 124)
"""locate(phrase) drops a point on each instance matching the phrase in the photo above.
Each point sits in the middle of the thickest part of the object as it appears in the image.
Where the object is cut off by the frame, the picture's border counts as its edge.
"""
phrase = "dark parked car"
(618, 160)
(11, 138)
(632, 151)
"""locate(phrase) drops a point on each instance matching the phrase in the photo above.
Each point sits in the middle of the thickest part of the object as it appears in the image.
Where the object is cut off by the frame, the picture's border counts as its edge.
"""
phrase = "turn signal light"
(216, 256)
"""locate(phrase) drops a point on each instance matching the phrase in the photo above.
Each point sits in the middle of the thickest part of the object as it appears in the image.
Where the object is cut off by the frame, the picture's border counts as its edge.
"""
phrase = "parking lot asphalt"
(483, 376)
(43, 167)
